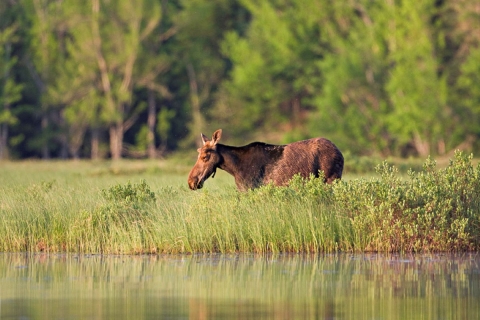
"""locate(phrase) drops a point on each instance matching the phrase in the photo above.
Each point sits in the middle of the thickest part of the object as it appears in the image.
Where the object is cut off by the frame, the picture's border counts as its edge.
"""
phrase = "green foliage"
(352, 103)
(200, 64)
(436, 210)
(10, 89)
(135, 195)
(164, 119)
(141, 139)
(275, 67)
(121, 224)
(469, 92)
(417, 92)
(393, 78)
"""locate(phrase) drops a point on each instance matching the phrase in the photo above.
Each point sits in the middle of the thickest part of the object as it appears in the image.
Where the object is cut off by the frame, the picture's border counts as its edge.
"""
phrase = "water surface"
(339, 286)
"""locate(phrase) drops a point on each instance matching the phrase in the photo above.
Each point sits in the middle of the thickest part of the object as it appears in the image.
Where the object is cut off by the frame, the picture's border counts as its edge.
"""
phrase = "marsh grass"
(144, 207)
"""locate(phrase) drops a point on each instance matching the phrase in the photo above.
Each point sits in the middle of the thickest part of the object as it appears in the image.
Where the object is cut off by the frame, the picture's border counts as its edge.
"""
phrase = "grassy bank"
(146, 207)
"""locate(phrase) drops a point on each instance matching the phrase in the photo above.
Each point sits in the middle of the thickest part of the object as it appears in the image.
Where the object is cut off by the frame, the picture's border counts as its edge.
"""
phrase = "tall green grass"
(143, 207)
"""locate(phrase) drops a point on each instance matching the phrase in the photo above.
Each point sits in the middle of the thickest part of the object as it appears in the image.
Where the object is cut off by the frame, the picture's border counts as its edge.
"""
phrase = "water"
(341, 286)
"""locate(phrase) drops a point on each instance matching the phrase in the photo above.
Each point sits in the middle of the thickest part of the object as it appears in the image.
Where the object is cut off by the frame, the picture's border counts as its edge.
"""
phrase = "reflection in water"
(340, 286)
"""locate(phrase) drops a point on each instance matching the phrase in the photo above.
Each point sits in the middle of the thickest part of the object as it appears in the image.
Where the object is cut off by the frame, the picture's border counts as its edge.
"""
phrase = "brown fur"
(259, 163)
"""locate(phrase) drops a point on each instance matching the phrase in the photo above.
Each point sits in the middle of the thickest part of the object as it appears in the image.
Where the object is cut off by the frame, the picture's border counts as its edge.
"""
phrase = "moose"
(260, 163)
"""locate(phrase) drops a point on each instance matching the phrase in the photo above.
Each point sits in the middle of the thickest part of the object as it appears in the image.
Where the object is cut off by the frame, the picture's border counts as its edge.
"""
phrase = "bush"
(436, 210)
(136, 195)
(122, 224)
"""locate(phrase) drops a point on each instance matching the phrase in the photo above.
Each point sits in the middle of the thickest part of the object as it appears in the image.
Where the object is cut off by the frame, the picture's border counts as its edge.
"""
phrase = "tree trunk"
(3, 141)
(116, 140)
(441, 147)
(77, 135)
(162, 148)
(94, 144)
(64, 146)
(422, 147)
(45, 148)
(152, 152)
(62, 133)
(197, 118)
(296, 108)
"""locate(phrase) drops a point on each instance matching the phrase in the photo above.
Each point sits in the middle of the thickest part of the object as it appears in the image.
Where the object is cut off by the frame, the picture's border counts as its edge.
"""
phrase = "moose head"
(208, 161)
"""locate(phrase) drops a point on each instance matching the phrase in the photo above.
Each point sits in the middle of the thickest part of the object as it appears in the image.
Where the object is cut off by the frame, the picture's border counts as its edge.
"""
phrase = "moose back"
(259, 163)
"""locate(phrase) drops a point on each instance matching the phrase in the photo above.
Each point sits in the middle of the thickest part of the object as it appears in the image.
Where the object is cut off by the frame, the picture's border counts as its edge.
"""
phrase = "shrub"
(436, 210)
(122, 223)
(136, 195)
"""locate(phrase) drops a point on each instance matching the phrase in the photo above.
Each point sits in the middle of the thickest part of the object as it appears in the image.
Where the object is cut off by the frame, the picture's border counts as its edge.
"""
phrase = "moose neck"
(250, 164)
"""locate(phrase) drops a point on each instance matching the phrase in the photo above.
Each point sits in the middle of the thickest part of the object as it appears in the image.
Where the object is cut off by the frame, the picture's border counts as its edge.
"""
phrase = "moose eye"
(206, 157)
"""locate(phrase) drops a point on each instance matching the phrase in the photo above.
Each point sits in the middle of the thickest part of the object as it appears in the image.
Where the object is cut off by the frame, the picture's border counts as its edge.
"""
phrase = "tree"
(351, 103)
(116, 43)
(388, 77)
(275, 69)
(417, 93)
(200, 65)
(469, 89)
(458, 23)
(383, 87)
(153, 64)
(106, 60)
(47, 35)
(10, 90)
(76, 85)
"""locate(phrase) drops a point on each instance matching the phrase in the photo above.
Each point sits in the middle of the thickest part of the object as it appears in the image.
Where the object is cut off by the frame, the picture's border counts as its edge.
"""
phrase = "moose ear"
(216, 136)
(204, 138)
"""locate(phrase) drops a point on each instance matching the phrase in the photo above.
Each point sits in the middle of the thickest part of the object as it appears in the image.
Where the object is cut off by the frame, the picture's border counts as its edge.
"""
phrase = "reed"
(144, 207)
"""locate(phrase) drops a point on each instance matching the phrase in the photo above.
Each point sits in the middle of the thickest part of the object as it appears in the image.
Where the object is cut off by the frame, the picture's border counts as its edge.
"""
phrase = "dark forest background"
(120, 78)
